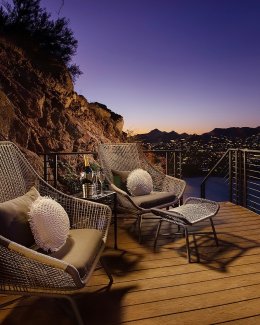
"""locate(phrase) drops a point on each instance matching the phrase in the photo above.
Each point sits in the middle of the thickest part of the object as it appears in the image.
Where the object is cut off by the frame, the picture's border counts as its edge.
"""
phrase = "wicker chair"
(167, 192)
(25, 271)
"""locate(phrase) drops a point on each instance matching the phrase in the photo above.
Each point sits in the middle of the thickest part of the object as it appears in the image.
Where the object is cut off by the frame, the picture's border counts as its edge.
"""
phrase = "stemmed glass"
(95, 183)
(101, 177)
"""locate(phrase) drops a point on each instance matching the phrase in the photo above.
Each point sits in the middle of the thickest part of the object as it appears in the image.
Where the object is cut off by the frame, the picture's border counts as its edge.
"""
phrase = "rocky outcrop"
(41, 112)
(106, 113)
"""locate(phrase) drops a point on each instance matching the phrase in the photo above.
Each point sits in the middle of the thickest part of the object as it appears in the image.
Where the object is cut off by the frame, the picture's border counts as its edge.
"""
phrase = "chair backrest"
(122, 156)
(16, 174)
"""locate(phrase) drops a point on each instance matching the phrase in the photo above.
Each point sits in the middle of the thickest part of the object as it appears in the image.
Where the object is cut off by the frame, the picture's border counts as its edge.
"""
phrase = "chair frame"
(26, 272)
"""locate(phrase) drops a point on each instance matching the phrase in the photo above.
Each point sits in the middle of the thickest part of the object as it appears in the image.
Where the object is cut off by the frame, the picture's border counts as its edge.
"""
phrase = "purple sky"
(183, 65)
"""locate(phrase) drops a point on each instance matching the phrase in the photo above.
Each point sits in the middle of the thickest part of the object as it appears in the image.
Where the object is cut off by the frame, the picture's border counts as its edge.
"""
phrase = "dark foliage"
(74, 71)
(26, 21)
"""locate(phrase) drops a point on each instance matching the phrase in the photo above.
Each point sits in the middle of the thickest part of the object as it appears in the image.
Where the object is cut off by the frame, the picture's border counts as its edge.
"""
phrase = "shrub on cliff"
(30, 24)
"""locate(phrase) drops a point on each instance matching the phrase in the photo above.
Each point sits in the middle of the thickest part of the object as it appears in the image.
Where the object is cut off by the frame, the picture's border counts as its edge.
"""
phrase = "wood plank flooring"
(161, 287)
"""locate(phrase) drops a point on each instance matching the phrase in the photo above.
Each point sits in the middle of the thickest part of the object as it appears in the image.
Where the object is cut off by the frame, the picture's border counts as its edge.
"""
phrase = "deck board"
(161, 287)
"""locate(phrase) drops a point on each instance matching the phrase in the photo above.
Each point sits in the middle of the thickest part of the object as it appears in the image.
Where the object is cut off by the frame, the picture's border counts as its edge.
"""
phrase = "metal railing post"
(45, 168)
(236, 176)
(174, 164)
(244, 179)
(180, 162)
(166, 158)
(230, 176)
(240, 177)
(55, 170)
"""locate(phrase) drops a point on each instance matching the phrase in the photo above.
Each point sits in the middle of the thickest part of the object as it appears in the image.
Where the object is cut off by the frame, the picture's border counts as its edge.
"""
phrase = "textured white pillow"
(49, 223)
(139, 182)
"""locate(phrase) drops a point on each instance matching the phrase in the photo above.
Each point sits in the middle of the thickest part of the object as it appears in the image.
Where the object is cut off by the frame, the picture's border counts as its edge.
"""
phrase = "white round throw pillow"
(49, 223)
(139, 182)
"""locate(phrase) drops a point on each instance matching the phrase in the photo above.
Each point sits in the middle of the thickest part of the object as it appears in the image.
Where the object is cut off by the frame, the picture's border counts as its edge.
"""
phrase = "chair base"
(186, 234)
(109, 275)
(67, 297)
(74, 307)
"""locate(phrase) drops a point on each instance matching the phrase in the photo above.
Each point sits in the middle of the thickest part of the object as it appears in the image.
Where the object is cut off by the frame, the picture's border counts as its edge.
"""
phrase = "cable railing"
(240, 170)
(62, 169)
(172, 161)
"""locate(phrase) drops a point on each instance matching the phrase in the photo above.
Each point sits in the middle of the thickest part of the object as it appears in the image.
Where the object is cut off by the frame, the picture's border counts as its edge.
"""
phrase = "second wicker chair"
(167, 190)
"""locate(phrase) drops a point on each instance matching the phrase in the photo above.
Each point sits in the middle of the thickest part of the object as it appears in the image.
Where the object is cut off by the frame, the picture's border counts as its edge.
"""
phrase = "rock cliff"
(41, 112)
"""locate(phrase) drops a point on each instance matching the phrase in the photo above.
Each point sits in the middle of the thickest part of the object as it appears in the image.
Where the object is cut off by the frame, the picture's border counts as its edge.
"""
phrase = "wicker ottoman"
(191, 212)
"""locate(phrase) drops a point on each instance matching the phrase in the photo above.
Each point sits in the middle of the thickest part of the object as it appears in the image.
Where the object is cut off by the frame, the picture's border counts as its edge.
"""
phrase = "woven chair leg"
(157, 234)
(179, 230)
(111, 280)
(75, 310)
(140, 220)
(187, 244)
(214, 231)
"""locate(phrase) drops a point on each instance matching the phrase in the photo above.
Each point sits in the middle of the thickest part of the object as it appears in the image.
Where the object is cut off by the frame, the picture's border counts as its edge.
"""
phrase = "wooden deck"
(161, 287)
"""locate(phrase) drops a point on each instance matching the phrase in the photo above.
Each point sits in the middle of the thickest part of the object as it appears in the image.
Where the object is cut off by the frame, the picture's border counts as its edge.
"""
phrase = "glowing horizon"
(147, 130)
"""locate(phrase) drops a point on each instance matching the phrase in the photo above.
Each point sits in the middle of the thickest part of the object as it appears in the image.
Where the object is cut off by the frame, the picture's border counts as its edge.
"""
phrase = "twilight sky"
(182, 65)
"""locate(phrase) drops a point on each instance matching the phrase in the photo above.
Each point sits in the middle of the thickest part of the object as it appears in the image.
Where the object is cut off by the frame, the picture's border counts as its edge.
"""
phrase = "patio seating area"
(160, 287)
(126, 169)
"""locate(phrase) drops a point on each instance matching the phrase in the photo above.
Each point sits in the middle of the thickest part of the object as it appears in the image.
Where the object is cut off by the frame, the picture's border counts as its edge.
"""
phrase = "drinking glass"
(82, 177)
(101, 177)
(95, 182)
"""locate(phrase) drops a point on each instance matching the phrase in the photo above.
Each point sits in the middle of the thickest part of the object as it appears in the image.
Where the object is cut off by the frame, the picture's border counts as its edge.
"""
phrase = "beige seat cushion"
(80, 249)
(154, 199)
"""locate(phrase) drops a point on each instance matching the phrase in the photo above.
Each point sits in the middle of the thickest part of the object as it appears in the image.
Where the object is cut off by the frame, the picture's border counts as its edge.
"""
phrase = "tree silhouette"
(28, 22)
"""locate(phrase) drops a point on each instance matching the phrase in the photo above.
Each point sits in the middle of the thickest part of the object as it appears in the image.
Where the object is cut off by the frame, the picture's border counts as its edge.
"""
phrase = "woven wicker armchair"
(167, 190)
(25, 271)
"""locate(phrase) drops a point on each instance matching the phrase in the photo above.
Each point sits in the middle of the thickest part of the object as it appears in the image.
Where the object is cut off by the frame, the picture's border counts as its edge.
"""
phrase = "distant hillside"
(233, 132)
(156, 136)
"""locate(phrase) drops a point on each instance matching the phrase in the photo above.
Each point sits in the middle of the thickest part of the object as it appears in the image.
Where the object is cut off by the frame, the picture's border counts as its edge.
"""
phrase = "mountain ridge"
(156, 136)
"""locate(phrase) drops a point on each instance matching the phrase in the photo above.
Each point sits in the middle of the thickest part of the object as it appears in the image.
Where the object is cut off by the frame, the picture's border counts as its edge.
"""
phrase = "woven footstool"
(191, 212)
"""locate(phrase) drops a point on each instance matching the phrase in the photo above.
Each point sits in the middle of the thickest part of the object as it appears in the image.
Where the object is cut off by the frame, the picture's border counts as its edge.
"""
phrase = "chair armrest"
(25, 270)
(175, 185)
(82, 213)
(118, 190)
(124, 200)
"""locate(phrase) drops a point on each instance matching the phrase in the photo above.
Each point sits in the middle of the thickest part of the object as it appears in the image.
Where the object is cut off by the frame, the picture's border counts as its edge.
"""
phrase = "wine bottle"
(87, 170)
